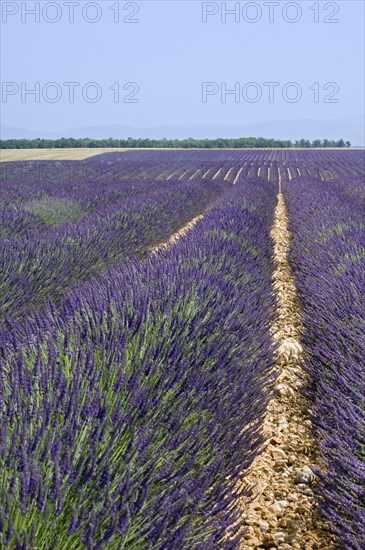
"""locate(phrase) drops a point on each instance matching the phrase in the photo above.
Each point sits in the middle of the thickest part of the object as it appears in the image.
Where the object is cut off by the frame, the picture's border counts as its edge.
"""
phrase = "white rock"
(276, 508)
(264, 526)
(280, 536)
(278, 454)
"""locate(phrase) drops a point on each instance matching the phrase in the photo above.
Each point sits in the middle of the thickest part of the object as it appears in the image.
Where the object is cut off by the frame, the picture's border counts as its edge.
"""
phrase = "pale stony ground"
(176, 236)
(9, 155)
(282, 513)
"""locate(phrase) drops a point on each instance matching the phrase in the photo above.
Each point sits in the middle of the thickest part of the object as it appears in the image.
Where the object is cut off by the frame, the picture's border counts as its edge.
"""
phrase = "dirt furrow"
(175, 237)
(282, 511)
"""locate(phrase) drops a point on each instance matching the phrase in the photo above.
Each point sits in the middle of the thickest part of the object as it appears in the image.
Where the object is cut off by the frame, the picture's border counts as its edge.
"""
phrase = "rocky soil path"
(282, 513)
(176, 236)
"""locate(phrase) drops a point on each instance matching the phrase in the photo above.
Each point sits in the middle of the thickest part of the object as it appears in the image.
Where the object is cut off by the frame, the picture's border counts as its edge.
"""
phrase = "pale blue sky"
(170, 52)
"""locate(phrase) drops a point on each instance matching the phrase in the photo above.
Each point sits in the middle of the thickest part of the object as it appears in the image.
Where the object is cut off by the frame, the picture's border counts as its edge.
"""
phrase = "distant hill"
(351, 128)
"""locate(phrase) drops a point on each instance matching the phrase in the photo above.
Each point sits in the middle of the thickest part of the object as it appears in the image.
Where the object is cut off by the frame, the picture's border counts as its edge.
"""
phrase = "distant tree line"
(221, 143)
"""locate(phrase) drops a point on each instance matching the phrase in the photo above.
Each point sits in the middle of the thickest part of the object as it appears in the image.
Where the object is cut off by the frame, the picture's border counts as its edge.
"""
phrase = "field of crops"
(9, 155)
(134, 379)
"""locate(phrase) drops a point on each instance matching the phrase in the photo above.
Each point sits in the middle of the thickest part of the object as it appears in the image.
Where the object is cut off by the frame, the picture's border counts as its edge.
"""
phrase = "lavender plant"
(132, 396)
(128, 412)
(328, 227)
(44, 262)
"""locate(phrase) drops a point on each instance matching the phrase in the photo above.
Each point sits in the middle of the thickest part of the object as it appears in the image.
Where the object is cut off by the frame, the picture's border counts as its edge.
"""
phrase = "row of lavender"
(82, 180)
(127, 414)
(328, 257)
(55, 237)
(254, 165)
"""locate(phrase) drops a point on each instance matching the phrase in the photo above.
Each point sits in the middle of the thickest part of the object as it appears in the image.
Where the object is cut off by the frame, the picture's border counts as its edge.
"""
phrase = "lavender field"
(135, 380)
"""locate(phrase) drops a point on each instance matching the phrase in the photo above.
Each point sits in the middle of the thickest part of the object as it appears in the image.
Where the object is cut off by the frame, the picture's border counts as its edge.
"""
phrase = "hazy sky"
(171, 55)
